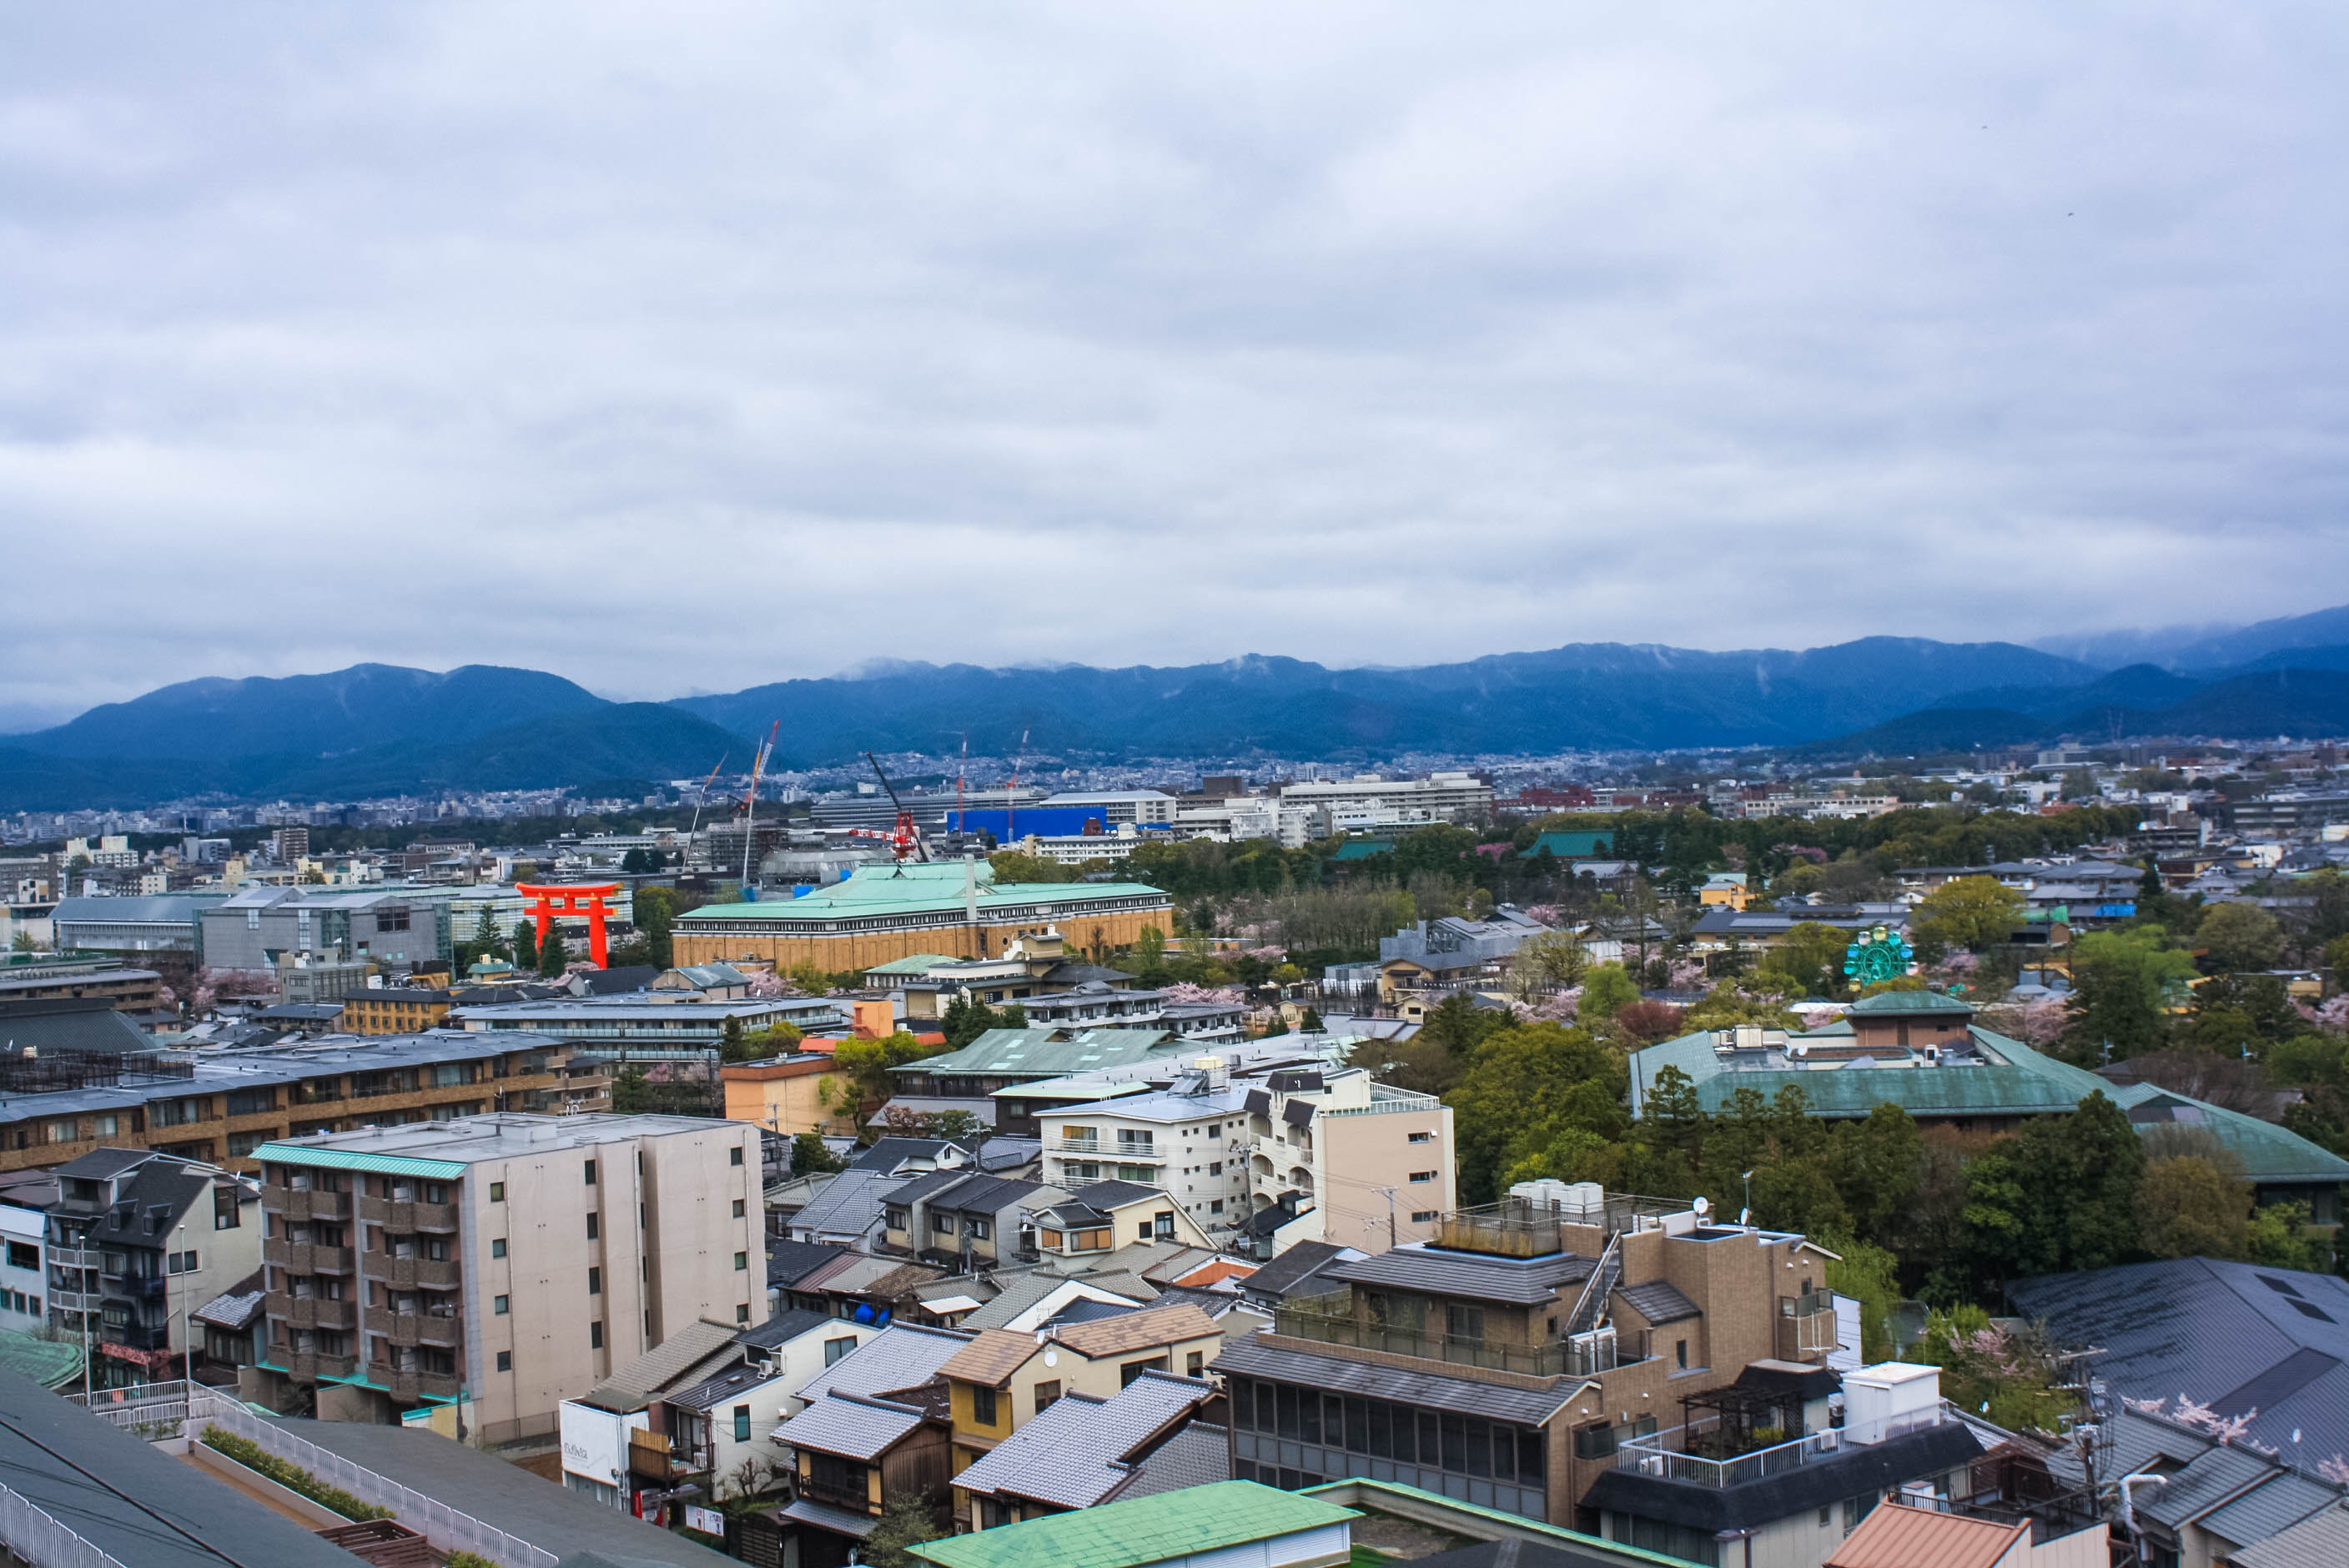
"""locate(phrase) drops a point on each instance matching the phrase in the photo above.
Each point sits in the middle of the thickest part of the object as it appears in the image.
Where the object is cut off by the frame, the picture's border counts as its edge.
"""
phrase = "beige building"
(507, 1261)
(1359, 1163)
(786, 1096)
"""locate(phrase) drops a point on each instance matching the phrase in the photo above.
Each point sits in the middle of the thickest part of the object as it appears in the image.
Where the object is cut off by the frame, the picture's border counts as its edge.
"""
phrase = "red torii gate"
(543, 903)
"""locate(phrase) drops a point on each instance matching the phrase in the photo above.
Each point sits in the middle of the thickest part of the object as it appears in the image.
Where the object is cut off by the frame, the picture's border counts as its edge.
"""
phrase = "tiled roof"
(1910, 1005)
(1137, 1331)
(1658, 1301)
(902, 1355)
(1284, 1274)
(853, 1426)
(687, 1357)
(1197, 1454)
(1894, 1535)
(1074, 1456)
(2270, 1509)
(992, 1358)
(2218, 1476)
(2321, 1541)
(1114, 1194)
(1126, 1534)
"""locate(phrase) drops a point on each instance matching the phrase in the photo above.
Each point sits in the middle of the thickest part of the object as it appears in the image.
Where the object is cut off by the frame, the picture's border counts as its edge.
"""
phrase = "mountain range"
(378, 730)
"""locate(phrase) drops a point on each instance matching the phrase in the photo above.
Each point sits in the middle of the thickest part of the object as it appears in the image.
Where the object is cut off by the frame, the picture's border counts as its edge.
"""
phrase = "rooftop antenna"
(751, 800)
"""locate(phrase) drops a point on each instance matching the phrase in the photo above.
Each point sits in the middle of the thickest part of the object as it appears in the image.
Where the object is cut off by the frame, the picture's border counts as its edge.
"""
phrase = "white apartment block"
(1365, 1164)
(1438, 797)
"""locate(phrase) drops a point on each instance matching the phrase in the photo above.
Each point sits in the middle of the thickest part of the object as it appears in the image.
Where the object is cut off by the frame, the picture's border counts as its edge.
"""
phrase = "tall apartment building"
(1438, 797)
(1321, 1153)
(505, 1262)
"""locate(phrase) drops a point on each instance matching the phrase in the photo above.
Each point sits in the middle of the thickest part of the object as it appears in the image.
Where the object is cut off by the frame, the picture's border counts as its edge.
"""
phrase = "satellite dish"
(1051, 1355)
(1702, 1206)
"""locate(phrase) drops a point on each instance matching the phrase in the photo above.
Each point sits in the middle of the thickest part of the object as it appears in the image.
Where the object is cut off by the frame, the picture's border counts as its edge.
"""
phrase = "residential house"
(1229, 1522)
(852, 1454)
(394, 1009)
(962, 1219)
(1902, 1534)
(1083, 1450)
(134, 1239)
(785, 1094)
(1098, 1220)
(1338, 1157)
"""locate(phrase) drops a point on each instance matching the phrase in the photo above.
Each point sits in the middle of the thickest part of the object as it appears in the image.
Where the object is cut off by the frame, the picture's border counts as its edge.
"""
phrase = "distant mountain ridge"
(381, 729)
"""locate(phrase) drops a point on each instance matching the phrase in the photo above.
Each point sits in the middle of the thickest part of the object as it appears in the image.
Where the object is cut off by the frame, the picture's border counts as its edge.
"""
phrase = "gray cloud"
(695, 345)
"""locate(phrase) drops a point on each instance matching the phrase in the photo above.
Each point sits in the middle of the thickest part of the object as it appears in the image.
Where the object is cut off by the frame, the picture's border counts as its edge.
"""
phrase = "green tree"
(2280, 1237)
(2188, 1208)
(1016, 866)
(654, 914)
(1149, 956)
(2122, 982)
(636, 862)
(1969, 913)
(865, 1082)
(551, 955)
(907, 1520)
(1808, 960)
(1459, 1025)
(1552, 961)
(2236, 938)
(1607, 990)
(1524, 1083)
(2234, 1011)
(1870, 1276)
(525, 946)
(2059, 1196)
(810, 1158)
(1876, 1166)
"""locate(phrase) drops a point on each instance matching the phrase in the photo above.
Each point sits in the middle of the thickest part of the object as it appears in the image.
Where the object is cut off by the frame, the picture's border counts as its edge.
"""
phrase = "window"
(594, 1280)
(833, 1349)
(982, 1406)
(499, 1306)
(1679, 1354)
(942, 1223)
(591, 1172)
(1423, 1176)
(595, 1335)
(497, 1191)
(506, 1360)
(1141, 1231)
(1046, 1393)
(1464, 1322)
(108, 1126)
(1194, 1365)
(734, 1155)
(739, 1209)
(67, 1129)
(1165, 1227)
(1422, 1138)
(1216, 1169)
(895, 1218)
(1127, 1373)
(741, 1412)
(498, 1247)
(741, 1262)
(1826, 1512)
(1216, 1206)
(591, 1227)
(23, 1256)
(979, 1230)
(742, 1314)
(180, 1262)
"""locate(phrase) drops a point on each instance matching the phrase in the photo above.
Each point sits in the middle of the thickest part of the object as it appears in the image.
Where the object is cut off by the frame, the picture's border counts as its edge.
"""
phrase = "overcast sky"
(686, 346)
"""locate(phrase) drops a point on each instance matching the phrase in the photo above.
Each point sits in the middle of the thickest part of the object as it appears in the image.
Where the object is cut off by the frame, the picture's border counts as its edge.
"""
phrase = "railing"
(34, 1536)
(300, 1204)
(1653, 1456)
(1526, 1228)
(155, 1408)
(1078, 1146)
(402, 1215)
(1555, 1359)
(449, 1531)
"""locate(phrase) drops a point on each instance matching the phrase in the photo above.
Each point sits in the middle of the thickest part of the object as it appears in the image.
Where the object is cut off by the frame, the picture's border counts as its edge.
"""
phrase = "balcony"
(402, 1217)
(1680, 1453)
(137, 1287)
(833, 1493)
(314, 1365)
(1528, 1228)
(1806, 1326)
(440, 1330)
(1330, 1320)
(137, 1336)
(651, 1454)
(409, 1383)
(406, 1274)
(310, 1311)
(301, 1206)
(304, 1257)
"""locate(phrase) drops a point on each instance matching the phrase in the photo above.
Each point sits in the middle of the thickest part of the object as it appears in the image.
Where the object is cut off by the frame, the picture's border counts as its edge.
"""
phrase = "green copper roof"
(879, 891)
(51, 1363)
(1911, 1004)
(1382, 1496)
(1142, 1530)
(914, 963)
(1570, 846)
(2015, 1081)
(346, 1159)
(1040, 1053)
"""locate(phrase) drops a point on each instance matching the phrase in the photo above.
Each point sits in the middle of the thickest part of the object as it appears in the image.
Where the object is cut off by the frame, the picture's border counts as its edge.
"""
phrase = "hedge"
(291, 1476)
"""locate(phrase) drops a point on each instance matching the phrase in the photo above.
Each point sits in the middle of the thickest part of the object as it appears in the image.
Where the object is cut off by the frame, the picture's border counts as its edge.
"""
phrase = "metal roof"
(1251, 1357)
(1415, 1265)
(880, 891)
(2270, 1509)
(1894, 1535)
(2321, 1541)
(1131, 1331)
(902, 1355)
(1049, 1053)
(1660, 1301)
(2212, 1331)
(1128, 1533)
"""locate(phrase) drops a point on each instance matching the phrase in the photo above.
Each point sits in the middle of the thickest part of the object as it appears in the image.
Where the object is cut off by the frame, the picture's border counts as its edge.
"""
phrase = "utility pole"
(1389, 1193)
(187, 1306)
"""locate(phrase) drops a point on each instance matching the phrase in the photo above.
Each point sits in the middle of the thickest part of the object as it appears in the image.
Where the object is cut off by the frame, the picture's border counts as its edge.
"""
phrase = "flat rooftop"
(470, 1139)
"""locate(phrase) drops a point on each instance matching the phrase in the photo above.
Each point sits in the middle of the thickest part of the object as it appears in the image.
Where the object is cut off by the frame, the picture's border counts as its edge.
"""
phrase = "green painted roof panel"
(349, 1160)
(1911, 1004)
(1142, 1530)
(1036, 1053)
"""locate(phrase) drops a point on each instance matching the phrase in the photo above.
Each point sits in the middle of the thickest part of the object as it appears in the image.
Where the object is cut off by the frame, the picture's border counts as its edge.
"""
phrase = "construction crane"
(1011, 796)
(750, 805)
(703, 798)
(906, 841)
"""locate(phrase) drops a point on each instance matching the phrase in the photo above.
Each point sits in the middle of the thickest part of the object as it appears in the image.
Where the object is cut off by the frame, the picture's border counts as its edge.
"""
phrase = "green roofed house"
(883, 913)
(1570, 846)
(1922, 1051)
(1199, 1525)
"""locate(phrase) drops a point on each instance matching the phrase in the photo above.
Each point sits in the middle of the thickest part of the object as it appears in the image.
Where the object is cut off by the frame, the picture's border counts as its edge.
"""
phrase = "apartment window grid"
(1289, 1436)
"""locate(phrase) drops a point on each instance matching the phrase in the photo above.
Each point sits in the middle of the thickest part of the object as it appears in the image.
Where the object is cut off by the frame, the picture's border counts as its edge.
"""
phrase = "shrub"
(291, 1476)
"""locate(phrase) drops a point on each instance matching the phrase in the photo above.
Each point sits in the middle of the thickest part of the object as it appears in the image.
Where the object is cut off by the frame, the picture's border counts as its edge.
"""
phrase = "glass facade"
(1290, 1437)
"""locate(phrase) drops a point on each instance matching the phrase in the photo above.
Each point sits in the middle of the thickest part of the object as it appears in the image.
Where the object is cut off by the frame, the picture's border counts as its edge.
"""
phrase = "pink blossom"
(1183, 992)
(1550, 914)
(2335, 1015)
